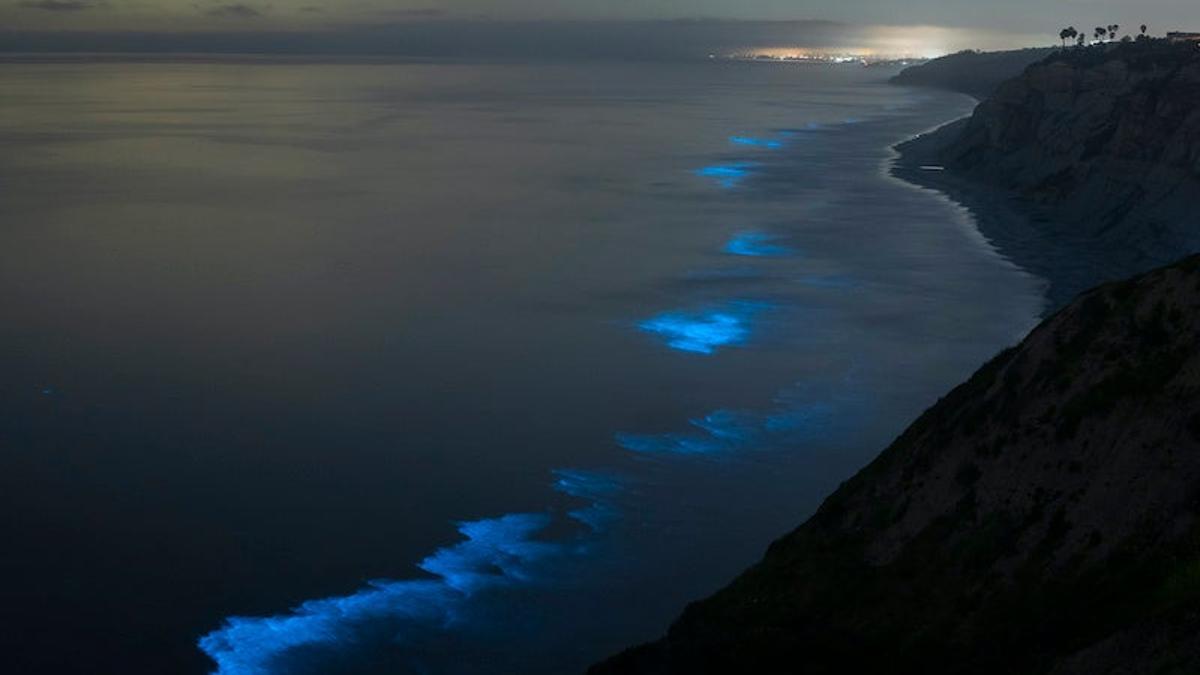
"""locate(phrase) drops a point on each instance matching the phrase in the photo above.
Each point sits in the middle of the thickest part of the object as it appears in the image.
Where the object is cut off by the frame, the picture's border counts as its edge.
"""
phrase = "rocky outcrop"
(971, 72)
(1044, 517)
(1105, 138)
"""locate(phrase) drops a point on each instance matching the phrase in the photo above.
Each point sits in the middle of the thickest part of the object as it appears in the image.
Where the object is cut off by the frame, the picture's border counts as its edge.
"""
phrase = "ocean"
(448, 367)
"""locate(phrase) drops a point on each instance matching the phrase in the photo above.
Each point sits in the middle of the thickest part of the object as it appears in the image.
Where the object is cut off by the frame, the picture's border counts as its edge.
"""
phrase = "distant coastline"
(1020, 231)
(1040, 231)
(974, 73)
(1028, 521)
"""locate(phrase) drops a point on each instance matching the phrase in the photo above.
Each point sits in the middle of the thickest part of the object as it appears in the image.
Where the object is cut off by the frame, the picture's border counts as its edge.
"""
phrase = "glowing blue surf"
(496, 552)
(754, 142)
(757, 245)
(717, 432)
(598, 488)
(704, 332)
(727, 175)
(801, 415)
(725, 432)
(669, 444)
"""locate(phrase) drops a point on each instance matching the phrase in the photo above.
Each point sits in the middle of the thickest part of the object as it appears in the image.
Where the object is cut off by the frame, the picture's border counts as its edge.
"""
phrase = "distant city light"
(885, 44)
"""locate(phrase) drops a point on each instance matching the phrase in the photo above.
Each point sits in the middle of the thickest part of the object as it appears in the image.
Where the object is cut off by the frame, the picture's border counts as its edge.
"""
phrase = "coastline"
(763, 617)
(1026, 234)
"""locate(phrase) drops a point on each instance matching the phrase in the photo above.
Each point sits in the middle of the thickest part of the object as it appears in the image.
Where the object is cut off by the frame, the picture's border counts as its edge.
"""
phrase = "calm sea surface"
(447, 368)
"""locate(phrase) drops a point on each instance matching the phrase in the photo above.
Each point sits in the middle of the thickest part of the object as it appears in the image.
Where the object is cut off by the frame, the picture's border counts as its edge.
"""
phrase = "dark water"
(579, 341)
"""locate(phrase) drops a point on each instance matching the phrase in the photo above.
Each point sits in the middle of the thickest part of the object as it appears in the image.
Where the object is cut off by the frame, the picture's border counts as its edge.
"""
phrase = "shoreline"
(1026, 234)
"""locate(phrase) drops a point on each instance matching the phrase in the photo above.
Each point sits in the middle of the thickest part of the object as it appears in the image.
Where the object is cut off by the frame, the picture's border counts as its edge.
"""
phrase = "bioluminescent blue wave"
(496, 552)
(669, 444)
(596, 487)
(725, 431)
(754, 142)
(728, 426)
(756, 244)
(704, 332)
(728, 175)
(800, 415)
(719, 432)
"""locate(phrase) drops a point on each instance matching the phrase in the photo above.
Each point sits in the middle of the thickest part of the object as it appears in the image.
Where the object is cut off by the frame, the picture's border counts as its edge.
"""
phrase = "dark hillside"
(1044, 517)
(1106, 139)
(971, 72)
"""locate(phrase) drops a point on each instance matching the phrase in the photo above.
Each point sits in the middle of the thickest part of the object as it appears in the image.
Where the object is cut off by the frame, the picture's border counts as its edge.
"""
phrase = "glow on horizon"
(888, 43)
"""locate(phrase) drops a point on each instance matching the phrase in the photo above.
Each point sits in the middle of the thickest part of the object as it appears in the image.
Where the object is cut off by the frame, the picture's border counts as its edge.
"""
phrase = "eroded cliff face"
(1043, 517)
(1107, 137)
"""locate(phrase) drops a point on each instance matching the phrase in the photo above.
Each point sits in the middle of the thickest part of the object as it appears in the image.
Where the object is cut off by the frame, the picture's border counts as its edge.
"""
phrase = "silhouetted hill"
(971, 72)
(1044, 517)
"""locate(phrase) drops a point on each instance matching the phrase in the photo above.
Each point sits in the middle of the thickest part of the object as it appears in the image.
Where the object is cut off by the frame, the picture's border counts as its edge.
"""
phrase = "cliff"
(971, 72)
(1044, 517)
(1082, 168)
(1105, 139)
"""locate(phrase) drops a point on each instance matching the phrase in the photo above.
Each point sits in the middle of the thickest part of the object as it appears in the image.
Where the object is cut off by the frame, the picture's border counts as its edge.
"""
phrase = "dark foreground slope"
(1041, 518)
(971, 72)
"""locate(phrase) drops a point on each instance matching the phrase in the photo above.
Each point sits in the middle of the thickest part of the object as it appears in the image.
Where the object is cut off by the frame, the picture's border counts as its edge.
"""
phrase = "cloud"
(234, 11)
(59, 5)
(337, 30)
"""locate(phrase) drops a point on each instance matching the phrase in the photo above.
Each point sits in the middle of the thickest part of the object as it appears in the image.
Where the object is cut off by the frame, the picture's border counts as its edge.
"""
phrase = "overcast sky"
(1022, 20)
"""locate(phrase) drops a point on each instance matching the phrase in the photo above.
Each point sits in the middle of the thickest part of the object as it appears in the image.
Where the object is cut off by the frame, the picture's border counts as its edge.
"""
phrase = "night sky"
(446, 24)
